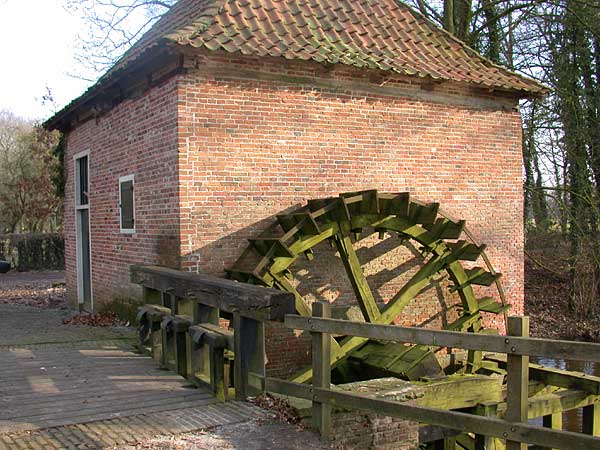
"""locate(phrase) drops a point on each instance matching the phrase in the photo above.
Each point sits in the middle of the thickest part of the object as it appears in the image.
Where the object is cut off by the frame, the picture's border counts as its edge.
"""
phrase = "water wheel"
(270, 260)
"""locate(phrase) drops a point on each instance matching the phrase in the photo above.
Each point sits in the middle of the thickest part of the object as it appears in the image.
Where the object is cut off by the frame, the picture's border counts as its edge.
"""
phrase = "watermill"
(343, 221)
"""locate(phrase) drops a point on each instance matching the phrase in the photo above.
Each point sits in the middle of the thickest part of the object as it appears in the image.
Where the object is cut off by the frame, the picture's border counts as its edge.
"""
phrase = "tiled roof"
(377, 34)
(183, 15)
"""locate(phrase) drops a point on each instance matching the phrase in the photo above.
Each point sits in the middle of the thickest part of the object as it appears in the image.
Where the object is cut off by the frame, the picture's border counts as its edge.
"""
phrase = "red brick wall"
(136, 137)
(357, 430)
(251, 148)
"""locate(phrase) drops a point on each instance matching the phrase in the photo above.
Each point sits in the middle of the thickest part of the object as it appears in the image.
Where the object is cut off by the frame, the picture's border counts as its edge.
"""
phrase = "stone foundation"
(358, 430)
(364, 430)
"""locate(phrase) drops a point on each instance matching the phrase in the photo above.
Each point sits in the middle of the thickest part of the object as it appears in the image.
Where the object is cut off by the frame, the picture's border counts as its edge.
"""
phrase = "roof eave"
(62, 119)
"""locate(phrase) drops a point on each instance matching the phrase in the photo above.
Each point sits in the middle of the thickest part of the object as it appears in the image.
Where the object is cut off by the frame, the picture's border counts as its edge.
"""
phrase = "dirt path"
(252, 435)
(42, 290)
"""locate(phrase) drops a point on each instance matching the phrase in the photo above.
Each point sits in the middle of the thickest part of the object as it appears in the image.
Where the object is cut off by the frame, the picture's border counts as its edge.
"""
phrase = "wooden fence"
(518, 347)
(186, 309)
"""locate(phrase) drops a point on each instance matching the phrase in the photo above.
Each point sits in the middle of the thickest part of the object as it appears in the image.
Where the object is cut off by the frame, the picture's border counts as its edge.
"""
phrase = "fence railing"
(184, 310)
(518, 347)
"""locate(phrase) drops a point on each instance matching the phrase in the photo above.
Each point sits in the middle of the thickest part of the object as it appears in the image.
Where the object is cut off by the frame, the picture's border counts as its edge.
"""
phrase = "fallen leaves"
(546, 302)
(280, 408)
(34, 296)
(103, 319)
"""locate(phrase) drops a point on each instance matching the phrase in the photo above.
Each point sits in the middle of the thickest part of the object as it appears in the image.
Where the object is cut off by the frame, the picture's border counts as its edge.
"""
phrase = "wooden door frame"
(78, 230)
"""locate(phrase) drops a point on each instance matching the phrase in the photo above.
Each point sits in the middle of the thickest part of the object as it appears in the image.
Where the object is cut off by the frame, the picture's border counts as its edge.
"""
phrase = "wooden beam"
(157, 66)
(557, 377)
(412, 287)
(553, 403)
(285, 285)
(359, 283)
(398, 360)
(299, 246)
(321, 365)
(583, 351)
(483, 442)
(249, 350)
(180, 347)
(558, 402)
(460, 391)
(257, 302)
(461, 421)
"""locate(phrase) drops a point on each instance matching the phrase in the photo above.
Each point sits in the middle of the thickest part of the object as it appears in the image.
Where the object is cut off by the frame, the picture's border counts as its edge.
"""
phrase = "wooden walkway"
(95, 394)
(51, 387)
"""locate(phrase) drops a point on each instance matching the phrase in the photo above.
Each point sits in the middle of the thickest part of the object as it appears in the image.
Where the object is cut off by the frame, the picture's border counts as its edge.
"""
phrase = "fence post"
(321, 365)
(202, 314)
(249, 349)
(517, 380)
(591, 419)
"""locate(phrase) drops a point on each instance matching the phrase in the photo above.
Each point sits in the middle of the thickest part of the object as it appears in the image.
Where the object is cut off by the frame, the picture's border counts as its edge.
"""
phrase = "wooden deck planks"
(41, 388)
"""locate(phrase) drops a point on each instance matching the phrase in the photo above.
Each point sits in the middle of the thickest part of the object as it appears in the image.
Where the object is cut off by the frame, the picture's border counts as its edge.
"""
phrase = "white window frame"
(122, 180)
(78, 207)
(77, 157)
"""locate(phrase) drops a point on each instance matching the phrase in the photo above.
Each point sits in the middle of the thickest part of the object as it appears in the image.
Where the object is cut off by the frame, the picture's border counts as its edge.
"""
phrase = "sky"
(37, 39)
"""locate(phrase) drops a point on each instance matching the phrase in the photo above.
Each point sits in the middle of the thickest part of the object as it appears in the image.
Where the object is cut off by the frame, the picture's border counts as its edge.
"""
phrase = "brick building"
(229, 111)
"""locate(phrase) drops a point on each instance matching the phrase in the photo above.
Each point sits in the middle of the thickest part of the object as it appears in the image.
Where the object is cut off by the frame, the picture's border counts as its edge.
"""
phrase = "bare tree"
(114, 25)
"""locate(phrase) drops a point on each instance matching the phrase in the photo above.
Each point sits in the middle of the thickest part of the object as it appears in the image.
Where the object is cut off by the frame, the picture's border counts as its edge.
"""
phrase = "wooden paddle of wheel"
(269, 258)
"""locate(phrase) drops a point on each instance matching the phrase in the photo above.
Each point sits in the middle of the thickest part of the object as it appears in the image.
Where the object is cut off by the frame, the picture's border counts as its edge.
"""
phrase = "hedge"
(35, 251)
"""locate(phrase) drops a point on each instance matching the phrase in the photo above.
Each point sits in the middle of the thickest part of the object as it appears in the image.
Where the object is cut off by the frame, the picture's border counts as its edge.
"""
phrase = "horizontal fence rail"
(582, 351)
(455, 420)
(255, 302)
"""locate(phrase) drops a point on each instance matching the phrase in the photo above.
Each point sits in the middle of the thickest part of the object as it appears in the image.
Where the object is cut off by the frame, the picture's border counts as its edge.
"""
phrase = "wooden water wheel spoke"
(467, 295)
(281, 282)
(270, 259)
(463, 322)
(363, 293)
(474, 357)
(412, 288)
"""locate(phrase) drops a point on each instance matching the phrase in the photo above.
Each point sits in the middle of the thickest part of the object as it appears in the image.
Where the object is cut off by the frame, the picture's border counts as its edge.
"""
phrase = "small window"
(127, 204)
(82, 184)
